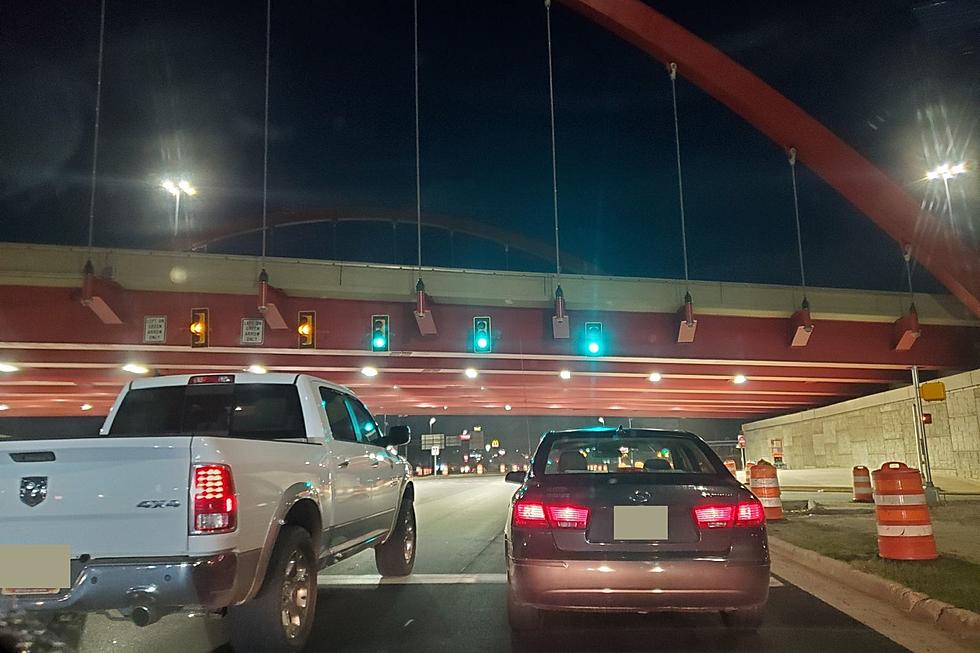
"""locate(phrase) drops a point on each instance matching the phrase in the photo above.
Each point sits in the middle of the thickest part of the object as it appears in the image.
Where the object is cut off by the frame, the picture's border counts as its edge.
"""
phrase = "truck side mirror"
(398, 435)
(515, 477)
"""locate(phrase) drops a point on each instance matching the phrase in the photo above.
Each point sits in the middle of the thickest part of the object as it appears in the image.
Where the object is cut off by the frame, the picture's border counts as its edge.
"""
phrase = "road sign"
(253, 331)
(452, 441)
(433, 440)
(435, 451)
(741, 441)
(933, 391)
(154, 328)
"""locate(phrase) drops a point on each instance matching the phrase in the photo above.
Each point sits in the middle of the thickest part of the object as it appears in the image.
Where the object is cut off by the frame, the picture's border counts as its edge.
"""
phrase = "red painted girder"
(953, 262)
(47, 314)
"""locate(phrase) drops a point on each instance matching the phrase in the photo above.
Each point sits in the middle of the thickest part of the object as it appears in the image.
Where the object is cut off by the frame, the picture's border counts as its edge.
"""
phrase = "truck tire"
(279, 618)
(396, 556)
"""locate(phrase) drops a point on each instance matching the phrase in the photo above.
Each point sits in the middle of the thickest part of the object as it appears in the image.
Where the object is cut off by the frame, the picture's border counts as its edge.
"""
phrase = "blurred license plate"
(34, 568)
(640, 522)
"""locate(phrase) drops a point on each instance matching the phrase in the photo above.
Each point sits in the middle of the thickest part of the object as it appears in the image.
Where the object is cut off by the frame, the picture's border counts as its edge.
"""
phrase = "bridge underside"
(67, 356)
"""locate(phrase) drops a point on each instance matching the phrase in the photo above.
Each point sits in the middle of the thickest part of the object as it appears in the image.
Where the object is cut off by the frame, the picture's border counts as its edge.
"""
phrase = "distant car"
(634, 521)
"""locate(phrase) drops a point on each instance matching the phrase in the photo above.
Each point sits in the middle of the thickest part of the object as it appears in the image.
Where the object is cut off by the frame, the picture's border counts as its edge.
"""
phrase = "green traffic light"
(379, 342)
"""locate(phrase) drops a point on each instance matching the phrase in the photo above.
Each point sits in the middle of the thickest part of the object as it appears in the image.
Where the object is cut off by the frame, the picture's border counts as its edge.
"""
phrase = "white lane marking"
(415, 579)
(327, 580)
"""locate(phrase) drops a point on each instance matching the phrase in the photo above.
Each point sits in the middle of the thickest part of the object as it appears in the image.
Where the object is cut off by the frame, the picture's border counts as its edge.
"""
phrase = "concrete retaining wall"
(878, 428)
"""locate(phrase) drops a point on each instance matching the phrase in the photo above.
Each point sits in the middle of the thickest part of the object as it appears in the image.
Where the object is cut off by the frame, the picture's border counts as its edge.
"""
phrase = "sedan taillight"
(213, 501)
(746, 514)
(530, 514)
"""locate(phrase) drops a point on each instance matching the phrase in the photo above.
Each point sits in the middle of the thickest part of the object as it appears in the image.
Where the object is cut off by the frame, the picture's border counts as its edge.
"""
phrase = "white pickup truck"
(215, 491)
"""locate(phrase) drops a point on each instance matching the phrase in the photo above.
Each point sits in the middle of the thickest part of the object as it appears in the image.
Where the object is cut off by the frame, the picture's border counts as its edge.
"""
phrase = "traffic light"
(593, 338)
(379, 333)
(199, 327)
(306, 330)
(482, 335)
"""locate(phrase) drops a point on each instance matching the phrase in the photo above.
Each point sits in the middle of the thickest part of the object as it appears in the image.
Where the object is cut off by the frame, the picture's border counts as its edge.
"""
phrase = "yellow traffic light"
(200, 321)
(306, 330)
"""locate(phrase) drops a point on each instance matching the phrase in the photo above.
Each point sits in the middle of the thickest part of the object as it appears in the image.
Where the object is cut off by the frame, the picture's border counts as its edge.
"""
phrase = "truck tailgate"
(104, 497)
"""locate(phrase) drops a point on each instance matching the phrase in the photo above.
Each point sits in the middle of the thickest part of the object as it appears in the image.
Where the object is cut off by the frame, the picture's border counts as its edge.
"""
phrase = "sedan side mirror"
(515, 477)
(398, 435)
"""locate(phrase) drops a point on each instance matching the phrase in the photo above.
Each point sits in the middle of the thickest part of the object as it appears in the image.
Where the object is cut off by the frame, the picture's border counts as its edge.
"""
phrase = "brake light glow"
(211, 378)
(528, 514)
(750, 513)
(213, 499)
(746, 514)
(568, 516)
(713, 516)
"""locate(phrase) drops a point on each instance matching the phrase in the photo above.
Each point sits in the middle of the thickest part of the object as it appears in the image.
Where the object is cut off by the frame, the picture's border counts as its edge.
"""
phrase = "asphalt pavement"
(455, 602)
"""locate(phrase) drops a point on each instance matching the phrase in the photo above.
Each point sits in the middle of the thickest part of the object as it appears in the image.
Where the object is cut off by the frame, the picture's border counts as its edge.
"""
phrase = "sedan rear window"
(613, 452)
(267, 411)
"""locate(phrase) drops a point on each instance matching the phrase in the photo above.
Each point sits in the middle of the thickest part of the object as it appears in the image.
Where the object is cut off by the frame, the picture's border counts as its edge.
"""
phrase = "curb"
(958, 621)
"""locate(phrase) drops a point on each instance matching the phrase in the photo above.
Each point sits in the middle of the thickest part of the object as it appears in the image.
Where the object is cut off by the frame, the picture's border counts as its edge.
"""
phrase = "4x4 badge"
(33, 490)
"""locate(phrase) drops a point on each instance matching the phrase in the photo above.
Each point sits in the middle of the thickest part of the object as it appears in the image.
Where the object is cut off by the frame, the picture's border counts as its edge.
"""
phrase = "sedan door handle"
(343, 464)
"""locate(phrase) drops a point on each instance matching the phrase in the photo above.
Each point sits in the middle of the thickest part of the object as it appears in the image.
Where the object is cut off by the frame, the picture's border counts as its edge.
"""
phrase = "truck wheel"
(279, 618)
(396, 556)
(744, 620)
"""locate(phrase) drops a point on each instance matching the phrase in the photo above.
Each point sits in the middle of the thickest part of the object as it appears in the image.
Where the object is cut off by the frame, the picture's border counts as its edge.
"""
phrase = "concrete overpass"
(67, 356)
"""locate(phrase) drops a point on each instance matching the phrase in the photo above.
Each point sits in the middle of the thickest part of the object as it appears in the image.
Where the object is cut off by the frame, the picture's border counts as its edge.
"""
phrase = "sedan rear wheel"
(744, 620)
(523, 618)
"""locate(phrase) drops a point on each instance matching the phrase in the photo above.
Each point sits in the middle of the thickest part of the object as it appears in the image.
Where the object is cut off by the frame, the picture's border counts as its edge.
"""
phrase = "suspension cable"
(907, 257)
(418, 148)
(265, 138)
(95, 137)
(554, 151)
(680, 178)
(796, 212)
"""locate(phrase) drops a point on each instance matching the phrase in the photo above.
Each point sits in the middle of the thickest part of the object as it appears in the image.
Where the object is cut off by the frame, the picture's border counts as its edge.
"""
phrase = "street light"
(182, 187)
(947, 171)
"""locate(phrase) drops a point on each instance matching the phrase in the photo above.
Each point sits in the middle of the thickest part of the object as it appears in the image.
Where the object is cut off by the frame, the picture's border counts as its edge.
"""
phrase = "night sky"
(183, 95)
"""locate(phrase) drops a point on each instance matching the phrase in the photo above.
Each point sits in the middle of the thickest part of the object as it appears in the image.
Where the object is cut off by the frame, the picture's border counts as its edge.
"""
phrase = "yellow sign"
(494, 444)
(933, 391)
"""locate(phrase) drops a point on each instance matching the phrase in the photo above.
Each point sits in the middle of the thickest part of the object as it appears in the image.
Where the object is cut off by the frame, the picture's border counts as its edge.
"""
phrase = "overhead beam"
(953, 262)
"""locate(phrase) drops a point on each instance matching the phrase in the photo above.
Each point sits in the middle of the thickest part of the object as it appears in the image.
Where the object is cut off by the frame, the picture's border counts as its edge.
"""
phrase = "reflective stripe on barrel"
(765, 485)
(904, 525)
(862, 485)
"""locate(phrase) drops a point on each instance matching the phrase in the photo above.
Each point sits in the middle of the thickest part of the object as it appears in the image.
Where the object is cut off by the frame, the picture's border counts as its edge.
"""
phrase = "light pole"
(182, 187)
(946, 172)
(435, 457)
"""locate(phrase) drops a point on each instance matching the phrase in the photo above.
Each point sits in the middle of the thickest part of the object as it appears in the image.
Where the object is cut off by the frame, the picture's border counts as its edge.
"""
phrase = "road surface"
(455, 601)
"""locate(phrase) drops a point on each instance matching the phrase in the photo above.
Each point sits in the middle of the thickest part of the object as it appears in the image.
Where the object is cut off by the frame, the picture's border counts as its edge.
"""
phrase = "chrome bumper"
(160, 584)
(701, 584)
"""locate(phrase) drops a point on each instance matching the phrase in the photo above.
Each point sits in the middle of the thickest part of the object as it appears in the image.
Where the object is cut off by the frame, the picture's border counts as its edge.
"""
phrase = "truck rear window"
(266, 411)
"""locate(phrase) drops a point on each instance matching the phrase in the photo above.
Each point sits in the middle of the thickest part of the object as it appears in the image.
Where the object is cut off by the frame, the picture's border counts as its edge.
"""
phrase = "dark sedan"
(634, 520)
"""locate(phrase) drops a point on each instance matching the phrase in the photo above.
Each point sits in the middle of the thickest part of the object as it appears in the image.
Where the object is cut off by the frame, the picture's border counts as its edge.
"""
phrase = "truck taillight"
(215, 507)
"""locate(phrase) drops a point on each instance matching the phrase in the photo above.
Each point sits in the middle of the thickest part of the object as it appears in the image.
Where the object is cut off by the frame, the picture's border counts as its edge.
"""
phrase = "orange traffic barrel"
(748, 472)
(765, 486)
(904, 526)
(730, 465)
(862, 485)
